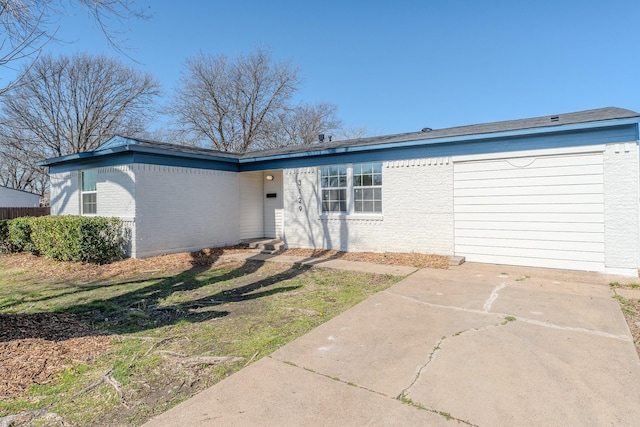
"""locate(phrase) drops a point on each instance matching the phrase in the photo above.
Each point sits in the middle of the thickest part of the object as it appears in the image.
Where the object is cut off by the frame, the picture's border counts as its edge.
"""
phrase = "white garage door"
(536, 211)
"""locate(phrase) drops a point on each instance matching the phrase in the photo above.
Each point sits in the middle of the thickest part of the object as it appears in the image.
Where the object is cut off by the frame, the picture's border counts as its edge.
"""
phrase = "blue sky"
(398, 66)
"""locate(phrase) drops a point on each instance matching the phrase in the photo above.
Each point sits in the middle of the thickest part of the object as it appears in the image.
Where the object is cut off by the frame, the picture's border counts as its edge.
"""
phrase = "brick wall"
(65, 195)
(182, 209)
(621, 233)
(116, 191)
(417, 211)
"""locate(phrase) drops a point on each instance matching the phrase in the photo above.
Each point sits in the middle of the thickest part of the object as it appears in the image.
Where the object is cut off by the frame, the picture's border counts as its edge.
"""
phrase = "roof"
(21, 191)
(554, 123)
(597, 115)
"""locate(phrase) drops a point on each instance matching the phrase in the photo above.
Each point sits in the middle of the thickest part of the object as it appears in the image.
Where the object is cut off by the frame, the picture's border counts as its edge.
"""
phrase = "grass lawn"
(119, 349)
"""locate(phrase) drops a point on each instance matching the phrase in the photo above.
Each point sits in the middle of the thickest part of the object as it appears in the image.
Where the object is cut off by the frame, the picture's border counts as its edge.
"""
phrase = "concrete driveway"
(477, 345)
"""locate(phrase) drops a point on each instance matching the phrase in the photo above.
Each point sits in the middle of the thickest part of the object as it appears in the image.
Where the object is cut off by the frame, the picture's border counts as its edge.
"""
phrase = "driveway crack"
(403, 393)
(493, 297)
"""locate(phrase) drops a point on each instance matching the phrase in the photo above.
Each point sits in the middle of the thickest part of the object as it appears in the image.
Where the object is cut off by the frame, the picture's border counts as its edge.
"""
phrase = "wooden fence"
(10, 213)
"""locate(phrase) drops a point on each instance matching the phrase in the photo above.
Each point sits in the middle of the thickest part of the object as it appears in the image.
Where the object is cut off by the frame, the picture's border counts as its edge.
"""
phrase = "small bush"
(20, 235)
(5, 245)
(96, 240)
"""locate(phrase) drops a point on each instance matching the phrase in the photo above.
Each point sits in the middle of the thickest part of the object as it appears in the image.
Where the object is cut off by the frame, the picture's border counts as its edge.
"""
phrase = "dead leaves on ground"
(35, 347)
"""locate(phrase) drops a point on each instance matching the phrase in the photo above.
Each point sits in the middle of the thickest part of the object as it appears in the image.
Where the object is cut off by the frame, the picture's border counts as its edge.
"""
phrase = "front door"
(273, 203)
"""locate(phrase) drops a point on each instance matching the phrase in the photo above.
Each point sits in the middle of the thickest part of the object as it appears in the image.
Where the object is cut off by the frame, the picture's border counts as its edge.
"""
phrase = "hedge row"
(96, 240)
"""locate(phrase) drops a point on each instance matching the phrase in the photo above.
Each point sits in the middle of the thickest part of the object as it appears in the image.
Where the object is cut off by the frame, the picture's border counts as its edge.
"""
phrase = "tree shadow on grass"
(164, 302)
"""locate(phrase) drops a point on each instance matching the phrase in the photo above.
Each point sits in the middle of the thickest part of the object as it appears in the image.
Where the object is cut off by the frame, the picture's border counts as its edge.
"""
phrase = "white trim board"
(583, 149)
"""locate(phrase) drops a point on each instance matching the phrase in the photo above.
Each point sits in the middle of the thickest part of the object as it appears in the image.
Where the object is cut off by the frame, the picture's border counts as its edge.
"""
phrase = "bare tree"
(17, 172)
(73, 104)
(30, 24)
(301, 125)
(352, 133)
(233, 104)
(70, 105)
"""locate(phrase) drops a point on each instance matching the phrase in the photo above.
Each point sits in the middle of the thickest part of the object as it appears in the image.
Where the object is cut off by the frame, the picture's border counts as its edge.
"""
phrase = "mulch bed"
(35, 347)
(54, 270)
(390, 258)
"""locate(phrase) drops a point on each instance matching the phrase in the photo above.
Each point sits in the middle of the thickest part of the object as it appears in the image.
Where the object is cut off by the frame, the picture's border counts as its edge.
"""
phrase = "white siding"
(251, 194)
(182, 209)
(545, 211)
(11, 198)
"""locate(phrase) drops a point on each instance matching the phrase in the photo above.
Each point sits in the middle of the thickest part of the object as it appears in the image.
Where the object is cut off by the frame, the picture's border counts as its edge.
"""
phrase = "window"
(351, 189)
(367, 187)
(89, 192)
(333, 184)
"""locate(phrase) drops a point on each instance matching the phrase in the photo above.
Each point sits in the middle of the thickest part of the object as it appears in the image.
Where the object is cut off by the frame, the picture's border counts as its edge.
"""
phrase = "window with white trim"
(333, 185)
(367, 188)
(88, 191)
(351, 189)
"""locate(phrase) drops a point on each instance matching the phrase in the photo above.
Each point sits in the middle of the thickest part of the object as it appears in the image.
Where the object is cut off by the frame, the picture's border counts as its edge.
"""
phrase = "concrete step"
(267, 246)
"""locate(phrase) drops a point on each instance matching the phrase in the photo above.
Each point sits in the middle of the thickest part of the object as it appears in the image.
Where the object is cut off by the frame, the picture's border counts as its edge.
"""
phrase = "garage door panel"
(543, 208)
(563, 189)
(531, 199)
(528, 173)
(530, 235)
(528, 182)
(534, 226)
(533, 253)
(531, 217)
(524, 243)
(530, 162)
(536, 262)
(545, 212)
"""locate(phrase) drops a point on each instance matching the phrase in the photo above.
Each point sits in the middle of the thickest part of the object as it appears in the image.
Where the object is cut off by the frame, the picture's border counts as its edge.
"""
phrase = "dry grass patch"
(118, 344)
(411, 259)
(628, 295)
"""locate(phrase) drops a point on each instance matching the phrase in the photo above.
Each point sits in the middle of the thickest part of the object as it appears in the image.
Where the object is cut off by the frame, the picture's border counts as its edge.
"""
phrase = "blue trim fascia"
(453, 139)
(221, 164)
(91, 162)
(610, 131)
(135, 154)
(130, 157)
(231, 158)
(82, 156)
(625, 133)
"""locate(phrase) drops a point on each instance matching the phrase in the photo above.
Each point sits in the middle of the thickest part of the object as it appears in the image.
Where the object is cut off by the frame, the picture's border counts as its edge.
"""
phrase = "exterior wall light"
(269, 177)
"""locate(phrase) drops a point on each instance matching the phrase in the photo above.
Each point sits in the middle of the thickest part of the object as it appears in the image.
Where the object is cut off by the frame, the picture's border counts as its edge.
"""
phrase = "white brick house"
(556, 191)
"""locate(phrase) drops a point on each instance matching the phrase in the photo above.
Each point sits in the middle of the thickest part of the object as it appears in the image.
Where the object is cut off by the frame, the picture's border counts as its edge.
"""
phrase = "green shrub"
(76, 238)
(5, 245)
(20, 235)
(97, 240)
